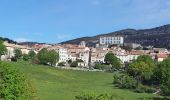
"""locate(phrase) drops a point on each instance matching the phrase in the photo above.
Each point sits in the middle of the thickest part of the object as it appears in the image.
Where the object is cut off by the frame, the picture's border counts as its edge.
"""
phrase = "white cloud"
(22, 39)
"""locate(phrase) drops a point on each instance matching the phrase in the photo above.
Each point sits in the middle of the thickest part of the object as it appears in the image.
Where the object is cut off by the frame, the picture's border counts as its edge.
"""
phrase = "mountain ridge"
(157, 37)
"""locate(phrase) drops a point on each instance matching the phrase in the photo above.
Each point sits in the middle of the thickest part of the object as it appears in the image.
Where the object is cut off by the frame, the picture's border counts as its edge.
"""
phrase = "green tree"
(162, 76)
(18, 53)
(31, 54)
(52, 57)
(42, 56)
(142, 68)
(111, 59)
(69, 61)
(25, 57)
(3, 49)
(74, 64)
(165, 87)
(162, 72)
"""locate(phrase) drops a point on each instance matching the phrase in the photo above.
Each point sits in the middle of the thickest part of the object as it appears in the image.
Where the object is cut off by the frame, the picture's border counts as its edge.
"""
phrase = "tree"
(52, 57)
(165, 87)
(31, 54)
(69, 61)
(111, 59)
(3, 49)
(142, 68)
(162, 72)
(25, 57)
(18, 53)
(74, 64)
(42, 56)
(162, 76)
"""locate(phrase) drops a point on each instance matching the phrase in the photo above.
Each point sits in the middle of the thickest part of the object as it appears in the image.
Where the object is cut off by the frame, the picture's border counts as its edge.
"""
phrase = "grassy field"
(57, 84)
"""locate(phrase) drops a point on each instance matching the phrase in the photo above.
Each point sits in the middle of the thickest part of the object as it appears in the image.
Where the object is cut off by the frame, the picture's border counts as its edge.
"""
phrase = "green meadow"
(59, 84)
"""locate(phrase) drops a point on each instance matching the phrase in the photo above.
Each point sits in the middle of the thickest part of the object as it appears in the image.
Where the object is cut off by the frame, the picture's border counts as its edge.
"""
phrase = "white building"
(82, 43)
(106, 40)
(63, 54)
(84, 56)
(127, 58)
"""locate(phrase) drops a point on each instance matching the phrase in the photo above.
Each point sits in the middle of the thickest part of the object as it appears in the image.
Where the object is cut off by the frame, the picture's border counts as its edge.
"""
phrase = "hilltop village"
(126, 52)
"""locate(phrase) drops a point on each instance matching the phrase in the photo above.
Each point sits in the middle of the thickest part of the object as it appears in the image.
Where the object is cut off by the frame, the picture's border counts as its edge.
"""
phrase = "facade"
(11, 48)
(161, 57)
(108, 40)
(63, 55)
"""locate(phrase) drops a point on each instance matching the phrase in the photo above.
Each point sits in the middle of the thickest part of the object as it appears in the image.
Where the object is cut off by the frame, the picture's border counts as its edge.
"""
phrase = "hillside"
(7, 39)
(59, 84)
(158, 37)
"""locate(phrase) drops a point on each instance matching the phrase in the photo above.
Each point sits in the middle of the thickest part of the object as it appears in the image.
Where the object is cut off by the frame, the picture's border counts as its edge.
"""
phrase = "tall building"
(82, 43)
(107, 40)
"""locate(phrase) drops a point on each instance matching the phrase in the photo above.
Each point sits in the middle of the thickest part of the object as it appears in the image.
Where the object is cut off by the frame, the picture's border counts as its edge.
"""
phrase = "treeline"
(44, 56)
(140, 75)
(14, 85)
(7, 39)
(145, 75)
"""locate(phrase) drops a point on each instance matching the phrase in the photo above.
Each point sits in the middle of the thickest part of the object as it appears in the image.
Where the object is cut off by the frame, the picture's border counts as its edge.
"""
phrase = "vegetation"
(3, 49)
(142, 68)
(18, 53)
(57, 84)
(74, 64)
(32, 54)
(124, 81)
(111, 59)
(93, 96)
(52, 57)
(42, 56)
(47, 57)
(26, 57)
(162, 76)
(14, 85)
(102, 67)
(62, 64)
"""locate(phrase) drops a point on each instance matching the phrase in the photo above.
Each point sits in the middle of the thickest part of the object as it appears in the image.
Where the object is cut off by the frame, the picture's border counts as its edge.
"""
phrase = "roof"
(162, 55)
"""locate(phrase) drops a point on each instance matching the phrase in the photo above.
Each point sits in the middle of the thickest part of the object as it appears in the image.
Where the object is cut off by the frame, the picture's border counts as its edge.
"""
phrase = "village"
(92, 55)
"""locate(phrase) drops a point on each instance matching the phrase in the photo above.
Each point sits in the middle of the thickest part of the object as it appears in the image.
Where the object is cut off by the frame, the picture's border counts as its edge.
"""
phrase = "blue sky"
(53, 21)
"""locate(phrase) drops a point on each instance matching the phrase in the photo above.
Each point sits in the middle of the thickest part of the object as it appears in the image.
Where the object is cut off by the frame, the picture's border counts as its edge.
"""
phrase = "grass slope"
(57, 84)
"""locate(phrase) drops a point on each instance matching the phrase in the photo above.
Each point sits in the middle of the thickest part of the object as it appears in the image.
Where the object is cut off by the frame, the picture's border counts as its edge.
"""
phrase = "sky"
(54, 21)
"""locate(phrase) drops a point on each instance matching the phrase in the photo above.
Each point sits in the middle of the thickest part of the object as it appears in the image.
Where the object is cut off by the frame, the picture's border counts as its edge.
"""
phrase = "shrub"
(145, 89)
(74, 64)
(101, 66)
(124, 81)
(62, 64)
(166, 88)
(14, 85)
(25, 57)
(93, 96)
(14, 59)
(35, 60)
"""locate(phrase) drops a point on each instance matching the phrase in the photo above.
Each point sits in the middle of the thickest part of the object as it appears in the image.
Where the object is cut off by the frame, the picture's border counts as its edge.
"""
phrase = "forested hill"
(158, 37)
(7, 39)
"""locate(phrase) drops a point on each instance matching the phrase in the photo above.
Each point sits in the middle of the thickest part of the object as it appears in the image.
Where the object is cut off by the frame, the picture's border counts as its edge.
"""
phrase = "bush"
(14, 59)
(14, 85)
(62, 64)
(124, 81)
(93, 96)
(25, 57)
(35, 60)
(74, 64)
(101, 66)
(166, 88)
(145, 89)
